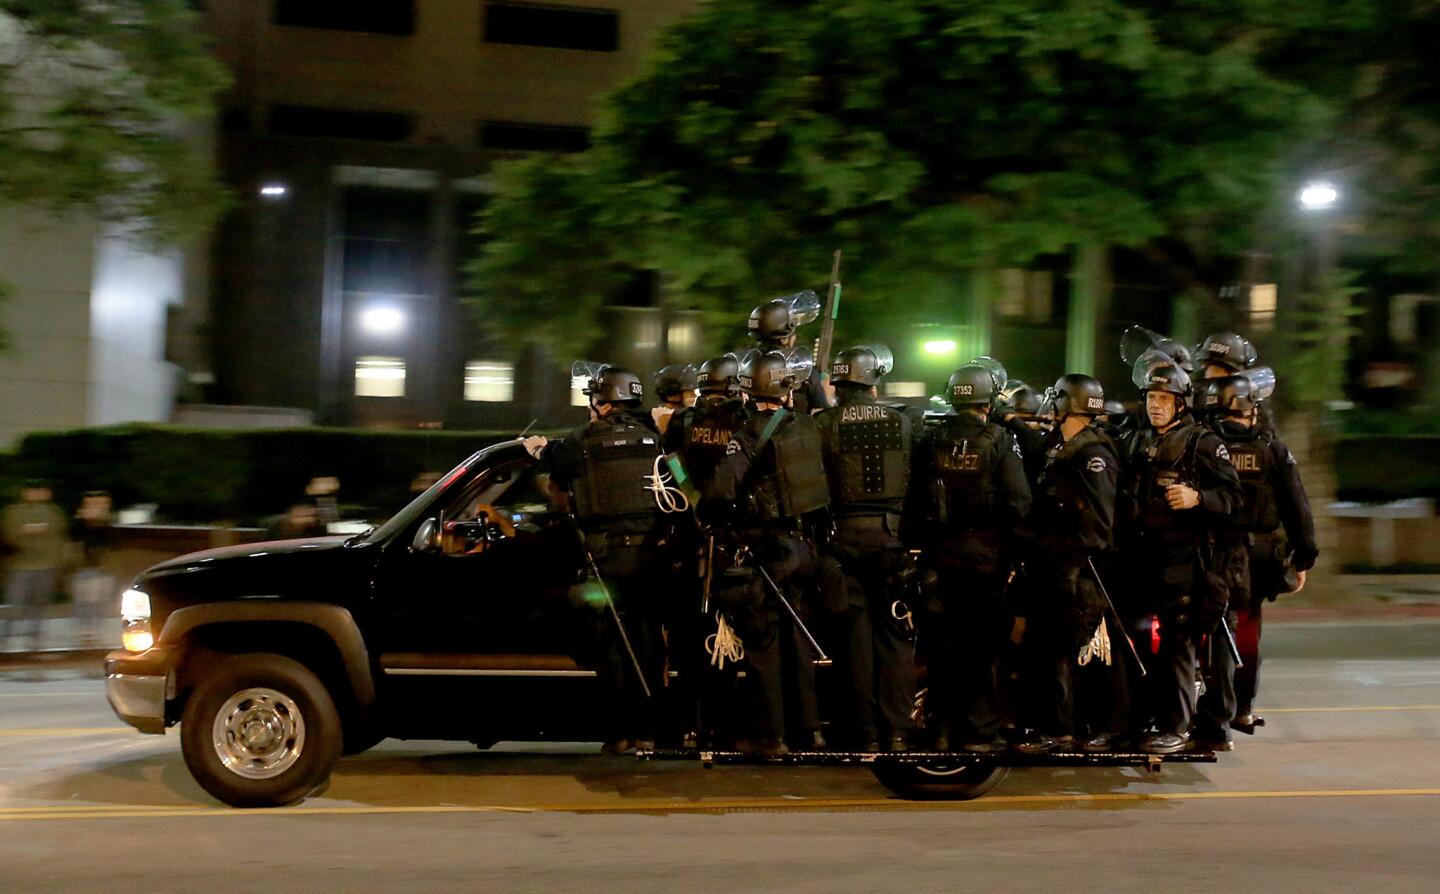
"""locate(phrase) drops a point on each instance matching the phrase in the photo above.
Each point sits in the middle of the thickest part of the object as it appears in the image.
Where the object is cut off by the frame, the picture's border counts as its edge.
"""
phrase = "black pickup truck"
(455, 619)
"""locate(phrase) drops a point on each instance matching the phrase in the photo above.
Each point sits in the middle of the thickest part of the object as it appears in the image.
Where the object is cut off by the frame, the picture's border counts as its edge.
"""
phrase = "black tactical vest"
(871, 445)
(1167, 459)
(705, 431)
(964, 460)
(619, 462)
(1252, 458)
(790, 470)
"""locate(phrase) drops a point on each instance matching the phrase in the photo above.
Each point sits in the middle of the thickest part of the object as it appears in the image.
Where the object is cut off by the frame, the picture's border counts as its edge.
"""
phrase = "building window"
(905, 389)
(578, 397)
(1263, 301)
(515, 136)
(371, 17)
(489, 380)
(1026, 295)
(379, 376)
(310, 121)
(561, 27)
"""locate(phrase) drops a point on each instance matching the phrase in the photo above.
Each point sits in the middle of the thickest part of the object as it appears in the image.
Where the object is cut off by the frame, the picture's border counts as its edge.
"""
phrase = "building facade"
(357, 138)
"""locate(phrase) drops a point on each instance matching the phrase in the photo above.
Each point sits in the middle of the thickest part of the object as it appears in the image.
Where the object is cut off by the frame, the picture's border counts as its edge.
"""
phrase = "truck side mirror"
(427, 537)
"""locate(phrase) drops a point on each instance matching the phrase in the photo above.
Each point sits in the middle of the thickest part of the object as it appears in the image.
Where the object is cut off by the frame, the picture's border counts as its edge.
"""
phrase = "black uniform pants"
(628, 572)
(1064, 610)
(964, 658)
(879, 656)
(1247, 679)
(1217, 706)
(780, 659)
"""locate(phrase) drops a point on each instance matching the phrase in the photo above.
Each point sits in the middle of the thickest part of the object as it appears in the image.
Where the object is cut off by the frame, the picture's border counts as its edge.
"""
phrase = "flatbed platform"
(944, 758)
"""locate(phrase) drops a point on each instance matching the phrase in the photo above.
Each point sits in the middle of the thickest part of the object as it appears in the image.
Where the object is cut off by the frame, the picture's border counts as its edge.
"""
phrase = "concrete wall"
(85, 320)
(132, 289)
(46, 264)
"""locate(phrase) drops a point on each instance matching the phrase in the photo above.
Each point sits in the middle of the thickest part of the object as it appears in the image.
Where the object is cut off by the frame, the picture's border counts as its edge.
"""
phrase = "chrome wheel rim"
(259, 733)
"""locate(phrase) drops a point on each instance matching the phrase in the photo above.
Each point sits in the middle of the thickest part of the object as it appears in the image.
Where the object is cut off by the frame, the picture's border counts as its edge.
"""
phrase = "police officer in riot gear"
(1022, 410)
(607, 466)
(867, 457)
(771, 493)
(1071, 524)
(773, 326)
(1221, 354)
(1274, 520)
(699, 436)
(1178, 492)
(675, 388)
(971, 482)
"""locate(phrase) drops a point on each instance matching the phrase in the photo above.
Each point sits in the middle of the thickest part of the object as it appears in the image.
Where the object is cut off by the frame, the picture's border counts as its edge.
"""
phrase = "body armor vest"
(1167, 459)
(872, 447)
(791, 470)
(706, 430)
(964, 459)
(1252, 457)
(619, 461)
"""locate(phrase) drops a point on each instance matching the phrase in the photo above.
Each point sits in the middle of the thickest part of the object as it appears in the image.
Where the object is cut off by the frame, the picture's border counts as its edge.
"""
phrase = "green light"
(944, 346)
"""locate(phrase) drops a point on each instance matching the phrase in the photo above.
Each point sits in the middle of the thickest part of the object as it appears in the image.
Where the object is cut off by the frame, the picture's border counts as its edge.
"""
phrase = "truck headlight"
(135, 633)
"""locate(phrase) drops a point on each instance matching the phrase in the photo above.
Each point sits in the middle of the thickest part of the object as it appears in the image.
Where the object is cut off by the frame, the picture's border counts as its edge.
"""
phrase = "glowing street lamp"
(1319, 195)
(382, 320)
(940, 346)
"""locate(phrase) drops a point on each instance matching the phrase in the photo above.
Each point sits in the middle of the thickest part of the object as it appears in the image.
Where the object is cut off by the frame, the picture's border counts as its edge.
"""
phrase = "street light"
(940, 346)
(1319, 195)
(382, 320)
(273, 191)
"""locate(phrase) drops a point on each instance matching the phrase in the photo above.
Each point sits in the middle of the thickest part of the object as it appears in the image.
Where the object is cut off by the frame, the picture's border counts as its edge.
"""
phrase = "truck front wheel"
(260, 731)
(939, 781)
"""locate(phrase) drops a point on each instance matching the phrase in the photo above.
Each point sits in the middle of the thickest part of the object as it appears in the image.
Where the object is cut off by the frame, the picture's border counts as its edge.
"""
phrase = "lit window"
(379, 377)
(905, 389)
(1263, 301)
(578, 397)
(489, 380)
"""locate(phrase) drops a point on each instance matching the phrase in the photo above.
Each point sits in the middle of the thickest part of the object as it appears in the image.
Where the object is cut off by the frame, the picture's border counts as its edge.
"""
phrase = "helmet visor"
(1262, 382)
(884, 358)
(804, 307)
(1136, 341)
(998, 375)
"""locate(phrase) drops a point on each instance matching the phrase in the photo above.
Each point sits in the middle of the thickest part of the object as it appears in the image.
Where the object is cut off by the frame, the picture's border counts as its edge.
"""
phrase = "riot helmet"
(1230, 350)
(1076, 394)
(1021, 397)
(772, 375)
(862, 365)
(780, 317)
(608, 384)
(972, 385)
(1168, 378)
(719, 375)
(998, 375)
(674, 380)
(1238, 395)
(1178, 354)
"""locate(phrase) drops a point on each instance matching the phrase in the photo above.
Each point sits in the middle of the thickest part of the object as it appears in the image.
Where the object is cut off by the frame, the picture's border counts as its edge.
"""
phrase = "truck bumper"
(138, 687)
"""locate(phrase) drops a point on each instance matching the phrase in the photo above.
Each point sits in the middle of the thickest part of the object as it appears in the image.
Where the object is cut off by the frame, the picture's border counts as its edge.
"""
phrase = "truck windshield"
(417, 506)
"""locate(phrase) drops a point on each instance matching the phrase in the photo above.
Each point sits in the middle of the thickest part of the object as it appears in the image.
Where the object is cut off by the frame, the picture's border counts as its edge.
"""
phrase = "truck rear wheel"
(260, 731)
(938, 781)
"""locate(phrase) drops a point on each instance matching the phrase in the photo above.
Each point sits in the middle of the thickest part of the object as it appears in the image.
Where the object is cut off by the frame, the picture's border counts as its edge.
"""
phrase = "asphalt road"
(1341, 791)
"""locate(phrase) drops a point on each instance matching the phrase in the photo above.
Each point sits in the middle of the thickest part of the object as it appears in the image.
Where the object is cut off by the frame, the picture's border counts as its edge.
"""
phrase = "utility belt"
(873, 521)
(615, 541)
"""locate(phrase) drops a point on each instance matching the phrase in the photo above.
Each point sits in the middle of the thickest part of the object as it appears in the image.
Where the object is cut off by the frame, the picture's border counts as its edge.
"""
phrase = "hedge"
(240, 476)
(1380, 468)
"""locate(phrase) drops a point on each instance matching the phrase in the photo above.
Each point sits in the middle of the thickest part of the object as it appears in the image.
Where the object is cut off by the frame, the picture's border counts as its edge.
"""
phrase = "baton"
(1230, 642)
(1119, 622)
(614, 612)
(823, 660)
(709, 574)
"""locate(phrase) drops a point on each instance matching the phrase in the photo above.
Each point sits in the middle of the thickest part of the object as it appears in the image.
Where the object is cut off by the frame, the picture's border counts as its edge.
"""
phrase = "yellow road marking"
(1348, 709)
(723, 806)
(68, 731)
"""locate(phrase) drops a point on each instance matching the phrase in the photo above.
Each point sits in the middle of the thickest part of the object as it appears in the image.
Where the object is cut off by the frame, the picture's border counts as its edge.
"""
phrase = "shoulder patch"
(1222, 453)
(1015, 445)
(733, 447)
(1290, 458)
(1095, 464)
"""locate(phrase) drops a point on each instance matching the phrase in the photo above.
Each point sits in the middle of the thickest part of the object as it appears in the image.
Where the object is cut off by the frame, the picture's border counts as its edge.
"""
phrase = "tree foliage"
(98, 104)
(925, 138)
